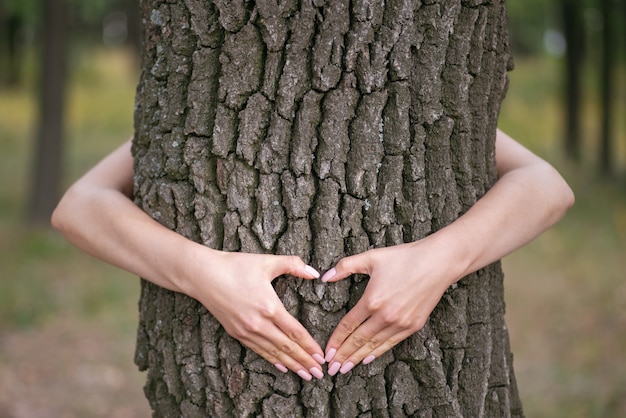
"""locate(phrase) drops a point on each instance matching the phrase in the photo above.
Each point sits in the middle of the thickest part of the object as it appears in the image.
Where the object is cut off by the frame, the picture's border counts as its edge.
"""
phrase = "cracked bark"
(321, 129)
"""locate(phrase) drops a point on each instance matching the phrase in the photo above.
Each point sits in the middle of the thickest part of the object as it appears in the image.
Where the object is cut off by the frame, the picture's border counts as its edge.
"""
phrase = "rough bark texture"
(321, 129)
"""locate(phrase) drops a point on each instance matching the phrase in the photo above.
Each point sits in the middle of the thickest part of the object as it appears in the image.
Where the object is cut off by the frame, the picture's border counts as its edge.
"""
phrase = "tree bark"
(321, 129)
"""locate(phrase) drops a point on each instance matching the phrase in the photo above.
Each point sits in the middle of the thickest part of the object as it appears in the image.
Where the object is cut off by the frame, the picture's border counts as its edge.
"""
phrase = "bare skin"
(528, 198)
(97, 215)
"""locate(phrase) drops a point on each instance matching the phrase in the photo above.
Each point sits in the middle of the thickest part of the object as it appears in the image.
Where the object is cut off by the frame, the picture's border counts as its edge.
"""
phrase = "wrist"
(191, 267)
(452, 251)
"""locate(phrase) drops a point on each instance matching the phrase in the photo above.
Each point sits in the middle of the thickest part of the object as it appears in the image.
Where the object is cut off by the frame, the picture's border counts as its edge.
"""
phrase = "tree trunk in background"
(321, 130)
(607, 82)
(133, 22)
(10, 49)
(48, 151)
(575, 37)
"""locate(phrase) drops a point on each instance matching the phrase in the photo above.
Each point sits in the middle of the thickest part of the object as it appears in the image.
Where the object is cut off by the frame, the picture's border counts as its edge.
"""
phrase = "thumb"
(347, 266)
(291, 264)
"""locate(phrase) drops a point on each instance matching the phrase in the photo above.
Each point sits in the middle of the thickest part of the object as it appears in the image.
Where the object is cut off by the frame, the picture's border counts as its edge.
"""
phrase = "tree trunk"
(46, 182)
(575, 36)
(607, 82)
(321, 130)
(11, 25)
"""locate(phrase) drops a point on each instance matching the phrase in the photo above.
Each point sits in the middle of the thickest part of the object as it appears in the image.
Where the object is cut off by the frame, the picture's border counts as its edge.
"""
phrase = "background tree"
(11, 23)
(58, 25)
(608, 85)
(47, 173)
(321, 130)
(574, 32)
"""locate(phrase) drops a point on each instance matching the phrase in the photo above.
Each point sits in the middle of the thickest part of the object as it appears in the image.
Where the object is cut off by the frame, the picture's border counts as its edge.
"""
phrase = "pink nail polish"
(304, 374)
(334, 368)
(312, 271)
(319, 358)
(316, 372)
(346, 367)
(369, 359)
(281, 367)
(329, 274)
(331, 353)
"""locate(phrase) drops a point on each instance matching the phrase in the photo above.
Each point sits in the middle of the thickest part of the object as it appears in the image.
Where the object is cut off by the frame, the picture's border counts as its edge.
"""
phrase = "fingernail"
(319, 358)
(281, 367)
(304, 374)
(330, 354)
(312, 271)
(369, 359)
(316, 372)
(334, 368)
(329, 274)
(346, 367)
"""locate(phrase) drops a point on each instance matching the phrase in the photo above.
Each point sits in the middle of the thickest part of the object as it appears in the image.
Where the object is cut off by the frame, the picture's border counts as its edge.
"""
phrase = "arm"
(529, 197)
(97, 215)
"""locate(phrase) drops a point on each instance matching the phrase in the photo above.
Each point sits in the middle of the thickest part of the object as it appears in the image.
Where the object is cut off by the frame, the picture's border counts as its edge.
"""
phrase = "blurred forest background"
(68, 71)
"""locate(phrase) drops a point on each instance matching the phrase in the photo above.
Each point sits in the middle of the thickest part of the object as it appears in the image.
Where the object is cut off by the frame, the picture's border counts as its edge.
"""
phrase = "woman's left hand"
(406, 283)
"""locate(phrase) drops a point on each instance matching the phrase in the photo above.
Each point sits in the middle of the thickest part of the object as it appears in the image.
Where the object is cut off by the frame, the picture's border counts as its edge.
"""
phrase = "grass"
(565, 291)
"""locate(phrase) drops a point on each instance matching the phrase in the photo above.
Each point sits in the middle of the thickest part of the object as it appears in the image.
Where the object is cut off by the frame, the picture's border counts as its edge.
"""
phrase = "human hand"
(240, 295)
(406, 283)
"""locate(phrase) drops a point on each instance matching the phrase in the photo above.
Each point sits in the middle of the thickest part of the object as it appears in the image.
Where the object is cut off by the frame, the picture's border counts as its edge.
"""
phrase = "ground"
(69, 369)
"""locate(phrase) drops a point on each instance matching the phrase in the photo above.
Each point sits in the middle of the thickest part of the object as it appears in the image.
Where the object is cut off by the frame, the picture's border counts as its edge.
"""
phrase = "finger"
(361, 338)
(291, 338)
(389, 341)
(283, 361)
(291, 264)
(367, 348)
(348, 324)
(300, 336)
(279, 316)
(360, 263)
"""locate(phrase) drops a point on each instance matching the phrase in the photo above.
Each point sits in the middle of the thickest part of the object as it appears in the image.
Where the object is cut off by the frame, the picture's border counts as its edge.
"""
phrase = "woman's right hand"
(98, 216)
(236, 288)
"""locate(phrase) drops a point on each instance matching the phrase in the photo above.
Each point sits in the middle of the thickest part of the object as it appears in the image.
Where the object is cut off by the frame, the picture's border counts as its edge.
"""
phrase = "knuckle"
(251, 326)
(373, 343)
(296, 335)
(288, 348)
(399, 321)
(375, 305)
(343, 264)
(389, 317)
(268, 310)
(274, 353)
(346, 327)
(346, 265)
(404, 322)
(293, 263)
(358, 341)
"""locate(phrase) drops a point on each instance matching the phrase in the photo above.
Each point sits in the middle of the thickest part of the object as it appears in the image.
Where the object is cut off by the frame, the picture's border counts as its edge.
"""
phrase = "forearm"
(106, 224)
(523, 203)
(97, 215)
